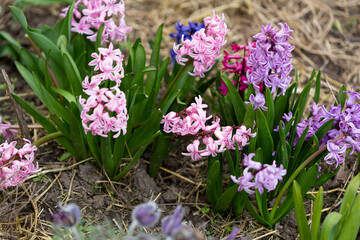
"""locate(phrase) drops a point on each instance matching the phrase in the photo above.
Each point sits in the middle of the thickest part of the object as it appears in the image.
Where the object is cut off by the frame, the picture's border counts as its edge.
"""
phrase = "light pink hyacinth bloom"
(204, 47)
(16, 164)
(6, 131)
(96, 13)
(105, 109)
(193, 121)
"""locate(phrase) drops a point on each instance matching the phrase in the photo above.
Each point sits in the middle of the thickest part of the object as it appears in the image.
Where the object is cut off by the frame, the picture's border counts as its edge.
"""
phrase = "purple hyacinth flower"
(68, 216)
(146, 214)
(173, 223)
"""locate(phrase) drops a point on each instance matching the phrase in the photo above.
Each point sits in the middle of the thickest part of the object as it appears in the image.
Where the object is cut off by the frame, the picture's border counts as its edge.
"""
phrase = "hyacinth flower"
(269, 61)
(346, 125)
(16, 164)
(192, 122)
(264, 176)
(6, 131)
(239, 68)
(88, 19)
(105, 108)
(204, 46)
(184, 32)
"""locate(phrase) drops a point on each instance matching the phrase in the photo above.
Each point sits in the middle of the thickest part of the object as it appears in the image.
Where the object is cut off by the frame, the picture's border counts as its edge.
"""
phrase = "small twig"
(23, 127)
(32, 126)
(113, 188)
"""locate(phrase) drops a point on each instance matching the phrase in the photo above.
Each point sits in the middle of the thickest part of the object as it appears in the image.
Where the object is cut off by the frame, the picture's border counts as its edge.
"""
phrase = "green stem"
(295, 174)
(190, 61)
(47, 138)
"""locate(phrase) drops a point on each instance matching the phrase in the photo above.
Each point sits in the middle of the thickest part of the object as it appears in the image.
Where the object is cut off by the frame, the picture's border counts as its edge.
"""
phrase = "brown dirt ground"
(326, 37)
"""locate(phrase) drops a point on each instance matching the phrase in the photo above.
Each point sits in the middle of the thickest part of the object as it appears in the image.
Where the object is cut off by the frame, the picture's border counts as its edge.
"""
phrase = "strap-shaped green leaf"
(154, 59)
(255, 214)
(72, 73)
(237, 102)
(351, 225)
(270, 113)
(317, 87)
(329, 226)
(214, 182)
(225, 199)
(265, 141)
(136, 157)
(301, 219)
(316, 216)
(147, 129)
(342, 96)
(349, 195)
(159, 151)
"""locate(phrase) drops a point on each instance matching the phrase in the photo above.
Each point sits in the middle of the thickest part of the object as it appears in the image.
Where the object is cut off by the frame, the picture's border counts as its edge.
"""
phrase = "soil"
(85, 185)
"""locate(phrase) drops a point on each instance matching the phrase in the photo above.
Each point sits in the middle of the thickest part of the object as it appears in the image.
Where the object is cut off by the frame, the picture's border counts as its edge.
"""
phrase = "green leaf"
(106, 157)
(261, 201)
(176, 88)
(154, 59)
(249, 116)
(284, 156)
(214, 182)
(68, 96)
(19, 15)
(225, 110)
(255, 214)
(35, 114)
(72, 73)
(238, 203)
(100, 32)
(230, 162)
(351, 225)
(349, 195)
(316, 216)
(270, 113)
(66, 26)
(329, 226)
(76, 131)
(342, 96)
(118, 151)
(141, 134)
(301, 102)
(160, 150)
(300, 142)
(140, 59)
(65, 156)
(265, 139)
(317, 87)
(225, 199)
(238, 103)
(136, 157)
(301, 219)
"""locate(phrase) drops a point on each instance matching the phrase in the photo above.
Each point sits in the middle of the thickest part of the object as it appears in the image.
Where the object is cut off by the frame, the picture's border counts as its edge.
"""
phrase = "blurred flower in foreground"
(68, 216)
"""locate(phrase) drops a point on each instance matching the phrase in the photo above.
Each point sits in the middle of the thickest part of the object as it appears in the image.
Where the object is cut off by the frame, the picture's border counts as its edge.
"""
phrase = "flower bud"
(172, 223)
(146, 214)
(69, 215)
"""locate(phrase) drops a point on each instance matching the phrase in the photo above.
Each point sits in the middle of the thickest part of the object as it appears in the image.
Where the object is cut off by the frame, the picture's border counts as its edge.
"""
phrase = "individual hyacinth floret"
(192, 121)
(6, 131)
(16, 164)
(105, 109)
(97, 12)
(204, 47)
(264, 176)
(270, 60)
